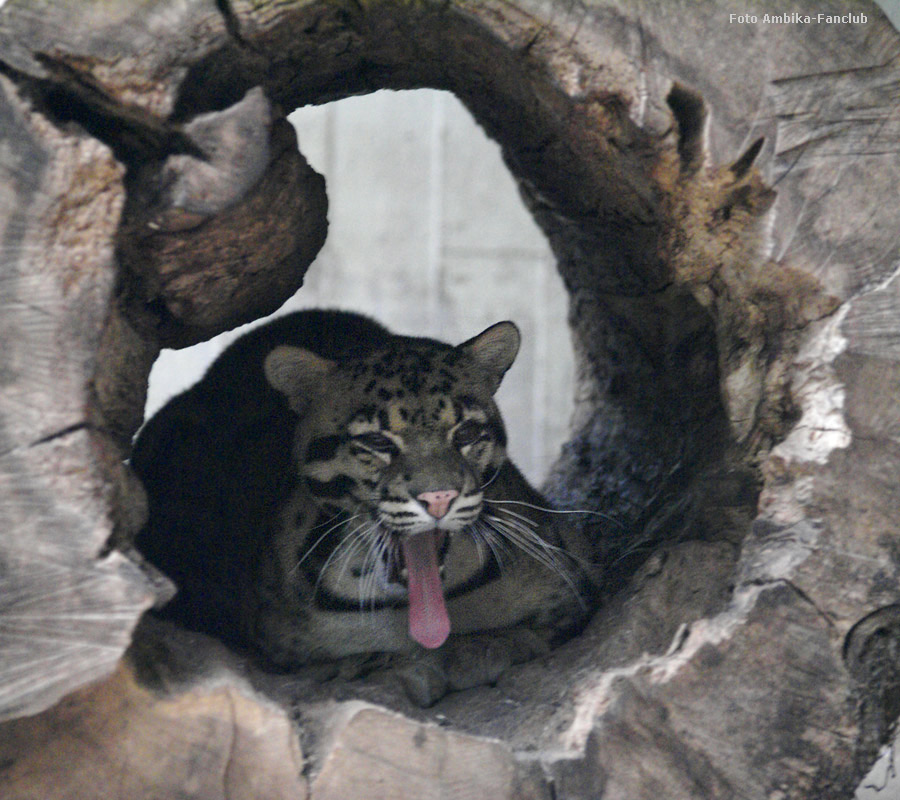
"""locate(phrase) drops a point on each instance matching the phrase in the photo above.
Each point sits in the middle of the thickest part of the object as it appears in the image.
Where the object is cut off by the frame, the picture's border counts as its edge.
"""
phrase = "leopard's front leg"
(469, 660)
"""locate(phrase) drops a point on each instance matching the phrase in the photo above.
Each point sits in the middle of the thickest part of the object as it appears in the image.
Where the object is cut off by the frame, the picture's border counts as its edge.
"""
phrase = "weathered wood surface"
(92, 278)
(120, 740)
(66, 607)
(738, 352)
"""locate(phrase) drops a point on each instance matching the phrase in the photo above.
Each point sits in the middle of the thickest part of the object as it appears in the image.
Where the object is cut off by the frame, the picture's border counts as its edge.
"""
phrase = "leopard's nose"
(437, 503)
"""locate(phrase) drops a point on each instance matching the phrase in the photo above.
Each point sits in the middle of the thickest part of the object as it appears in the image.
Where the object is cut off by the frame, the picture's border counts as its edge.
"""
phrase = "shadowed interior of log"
(650, 445)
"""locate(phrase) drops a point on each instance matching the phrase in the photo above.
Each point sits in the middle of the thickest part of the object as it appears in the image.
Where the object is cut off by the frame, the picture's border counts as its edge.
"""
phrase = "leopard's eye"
(468, 433)
(377, 443)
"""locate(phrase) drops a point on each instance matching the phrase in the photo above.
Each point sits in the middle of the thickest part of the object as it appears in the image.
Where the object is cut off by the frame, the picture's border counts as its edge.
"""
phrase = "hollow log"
(716, 191)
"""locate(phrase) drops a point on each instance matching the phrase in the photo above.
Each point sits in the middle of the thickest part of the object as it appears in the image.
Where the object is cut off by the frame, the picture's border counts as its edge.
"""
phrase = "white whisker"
(533, 536)
(553, 558)
(526, 540)
(492, 478)
(338, 516)
(322, 538)
(485, 537)
(549, 510)
(378, 551)
(530, 522)
(351, 542)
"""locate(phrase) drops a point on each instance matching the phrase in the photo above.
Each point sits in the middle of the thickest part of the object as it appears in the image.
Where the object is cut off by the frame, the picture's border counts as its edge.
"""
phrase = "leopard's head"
(398, 446)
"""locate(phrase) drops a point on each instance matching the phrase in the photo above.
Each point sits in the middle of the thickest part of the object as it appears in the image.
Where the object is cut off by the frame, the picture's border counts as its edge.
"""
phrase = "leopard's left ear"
(494, 349)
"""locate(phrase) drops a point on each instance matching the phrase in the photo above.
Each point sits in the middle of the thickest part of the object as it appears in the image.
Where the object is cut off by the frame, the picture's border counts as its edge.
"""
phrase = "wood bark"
(736, 325)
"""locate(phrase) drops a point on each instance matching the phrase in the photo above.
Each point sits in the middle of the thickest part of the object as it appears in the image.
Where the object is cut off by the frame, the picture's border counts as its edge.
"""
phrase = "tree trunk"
(734, 312)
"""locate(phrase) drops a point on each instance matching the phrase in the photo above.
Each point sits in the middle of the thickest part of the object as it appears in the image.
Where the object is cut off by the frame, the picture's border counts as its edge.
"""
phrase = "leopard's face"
(395, 449)
(406, 439)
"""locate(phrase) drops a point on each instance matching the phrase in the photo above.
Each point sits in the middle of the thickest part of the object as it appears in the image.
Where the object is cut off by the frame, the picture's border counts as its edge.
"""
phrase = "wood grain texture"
(738, 364)
(382, 755)
(67, 608)
(119, 740)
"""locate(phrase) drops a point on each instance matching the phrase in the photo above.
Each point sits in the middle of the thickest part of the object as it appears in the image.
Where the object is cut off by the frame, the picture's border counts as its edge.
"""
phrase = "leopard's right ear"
(296, 373)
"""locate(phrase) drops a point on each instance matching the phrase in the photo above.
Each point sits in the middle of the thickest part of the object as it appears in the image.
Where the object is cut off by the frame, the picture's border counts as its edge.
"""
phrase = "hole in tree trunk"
(427, 234)
(649, 440)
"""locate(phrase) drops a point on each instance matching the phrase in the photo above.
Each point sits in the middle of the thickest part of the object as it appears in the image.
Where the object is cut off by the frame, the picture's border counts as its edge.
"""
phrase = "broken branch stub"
(213, 240)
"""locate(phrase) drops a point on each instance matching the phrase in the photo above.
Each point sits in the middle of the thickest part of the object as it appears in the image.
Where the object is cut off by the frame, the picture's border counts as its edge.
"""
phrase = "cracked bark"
(738, 362)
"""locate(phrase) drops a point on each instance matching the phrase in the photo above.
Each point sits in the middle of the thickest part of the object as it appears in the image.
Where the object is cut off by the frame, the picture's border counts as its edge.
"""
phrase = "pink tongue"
(429, 624)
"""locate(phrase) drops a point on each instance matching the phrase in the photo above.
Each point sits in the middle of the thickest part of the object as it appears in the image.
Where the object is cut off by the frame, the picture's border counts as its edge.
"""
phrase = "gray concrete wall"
(428, 235)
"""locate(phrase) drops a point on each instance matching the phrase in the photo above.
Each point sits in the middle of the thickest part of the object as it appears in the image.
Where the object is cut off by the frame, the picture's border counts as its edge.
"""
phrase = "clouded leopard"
(329, 489)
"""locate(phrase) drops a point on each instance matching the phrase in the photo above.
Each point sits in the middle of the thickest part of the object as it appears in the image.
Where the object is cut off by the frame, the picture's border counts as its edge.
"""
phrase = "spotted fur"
(392, 437)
